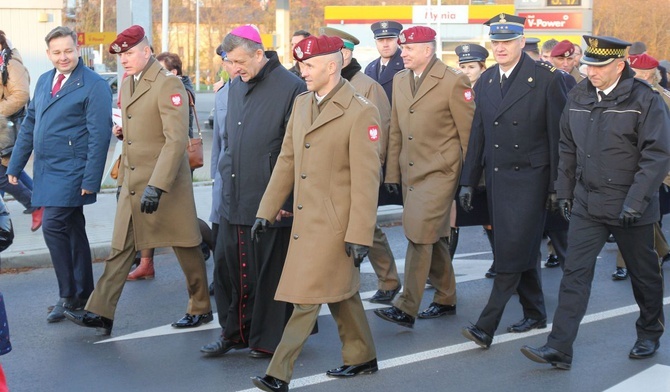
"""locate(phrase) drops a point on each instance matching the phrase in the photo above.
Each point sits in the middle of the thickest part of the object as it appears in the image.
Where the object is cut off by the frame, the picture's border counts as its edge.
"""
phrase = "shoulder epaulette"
(546, 65)
(362, 99)
(303, 93)
(644, 82)
(456, 71)
(665, 92)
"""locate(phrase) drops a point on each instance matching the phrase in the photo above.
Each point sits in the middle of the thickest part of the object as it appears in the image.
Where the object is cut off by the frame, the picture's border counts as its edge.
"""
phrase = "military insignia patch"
(116, 48)
(373, 133)
(298, 52)
(468, 95)
(402, 38)
(176, 99)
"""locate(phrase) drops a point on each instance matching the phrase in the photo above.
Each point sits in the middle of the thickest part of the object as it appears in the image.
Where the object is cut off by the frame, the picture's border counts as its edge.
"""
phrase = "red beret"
(316, 46)
(416, 34)
(127, 39)
(642, 61)
(564, 48)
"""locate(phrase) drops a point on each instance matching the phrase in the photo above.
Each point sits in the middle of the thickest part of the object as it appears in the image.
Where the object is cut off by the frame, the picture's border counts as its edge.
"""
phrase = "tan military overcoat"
(374, 92)
(155, 130)
(427, 142)
(332, 167)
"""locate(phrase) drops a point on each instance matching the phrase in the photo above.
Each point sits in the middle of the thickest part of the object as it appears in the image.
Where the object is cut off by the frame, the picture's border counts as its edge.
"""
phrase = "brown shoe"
(37, 219)
(144, 271)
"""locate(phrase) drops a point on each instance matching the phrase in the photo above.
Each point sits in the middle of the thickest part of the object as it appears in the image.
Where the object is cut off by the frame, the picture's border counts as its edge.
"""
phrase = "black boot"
(453, 241)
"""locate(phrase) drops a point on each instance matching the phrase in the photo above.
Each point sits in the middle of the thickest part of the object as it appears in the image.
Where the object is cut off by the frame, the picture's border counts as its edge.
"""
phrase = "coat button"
(411, 110)
(411, 163)
(515, 123)
(516, 168)
(130, 142)
(306, 145)
(495, 123)
(516, 146)
(303, 176)
(411, 188)
(233, 175)
(132, 192)
(496, 146)
(495, 169)
(411, 137)
(132, 168)
(239, 123)
(588, 155)
(130, 116)
(295, 236)
(300, 206)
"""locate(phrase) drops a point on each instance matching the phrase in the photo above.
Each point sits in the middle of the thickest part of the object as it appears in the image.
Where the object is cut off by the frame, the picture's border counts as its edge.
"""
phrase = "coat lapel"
(392, 68)
(144, 84)
(71, 84)
(490, 85)
(340, 102)
(430, 81)
(404, 86)
(522, 84)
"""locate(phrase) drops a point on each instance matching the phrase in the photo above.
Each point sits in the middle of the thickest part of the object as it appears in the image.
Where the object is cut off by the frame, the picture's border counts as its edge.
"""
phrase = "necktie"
(59, 82)
(416, 83)
(601, 95)
(502, 81)
(381, 70)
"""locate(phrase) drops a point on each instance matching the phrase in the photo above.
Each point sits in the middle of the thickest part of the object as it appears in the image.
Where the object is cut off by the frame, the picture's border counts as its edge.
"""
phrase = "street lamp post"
(197, 45)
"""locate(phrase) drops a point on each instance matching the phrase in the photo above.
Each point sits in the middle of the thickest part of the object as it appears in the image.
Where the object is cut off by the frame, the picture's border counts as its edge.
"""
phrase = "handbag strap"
(191, 103)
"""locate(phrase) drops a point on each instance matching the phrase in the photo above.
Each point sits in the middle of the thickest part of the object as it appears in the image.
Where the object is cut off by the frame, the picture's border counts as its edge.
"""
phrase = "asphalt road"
(431, 357)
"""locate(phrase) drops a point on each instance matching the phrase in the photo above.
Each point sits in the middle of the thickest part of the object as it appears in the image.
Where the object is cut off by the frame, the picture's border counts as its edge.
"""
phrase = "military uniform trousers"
(352, 325)
(383, 262)
(427, 261)
(529, 287)
(106, 295)
(585, 240)
(660, 244)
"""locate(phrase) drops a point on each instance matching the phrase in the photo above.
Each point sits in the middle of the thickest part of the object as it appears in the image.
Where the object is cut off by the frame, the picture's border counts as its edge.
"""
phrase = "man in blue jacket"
(68, 127)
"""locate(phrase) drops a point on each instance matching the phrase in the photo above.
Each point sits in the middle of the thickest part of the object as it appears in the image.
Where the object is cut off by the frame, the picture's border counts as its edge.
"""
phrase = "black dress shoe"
(552, 262)
(610, 239)
(57, 312)
(478, 336)
(258, 354)
(527, 324)
(193, 320)
(385, 296)
(644, 348)
(546, 354)
(396, 315)
(620, 274)
(270, 384)
(221, 347)
(91, 320)
(368, 367)
(491, 273)
(436, 310)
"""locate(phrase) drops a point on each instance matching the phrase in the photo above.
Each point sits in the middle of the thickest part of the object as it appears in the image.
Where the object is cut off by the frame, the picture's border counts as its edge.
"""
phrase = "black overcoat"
(514, 139)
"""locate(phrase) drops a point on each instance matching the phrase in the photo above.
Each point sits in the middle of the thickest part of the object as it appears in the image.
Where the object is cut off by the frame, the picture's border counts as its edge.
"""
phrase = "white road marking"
(508, 337)
(467, 270)
(654, 379)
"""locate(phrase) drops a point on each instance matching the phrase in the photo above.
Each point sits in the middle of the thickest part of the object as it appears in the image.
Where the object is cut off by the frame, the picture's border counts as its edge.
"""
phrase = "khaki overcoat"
(374, 92)
(332, 167)
(427, 142)
(155, 130)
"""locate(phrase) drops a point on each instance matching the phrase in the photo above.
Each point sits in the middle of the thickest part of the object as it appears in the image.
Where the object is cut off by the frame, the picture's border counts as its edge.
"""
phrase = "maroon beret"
(564, 48)
(316, 46)
(416, 34)
(127, 39)
(642, 61)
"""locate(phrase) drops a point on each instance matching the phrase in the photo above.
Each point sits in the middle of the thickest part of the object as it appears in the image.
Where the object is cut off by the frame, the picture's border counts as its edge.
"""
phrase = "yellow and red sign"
(553, 20)
(93, 38)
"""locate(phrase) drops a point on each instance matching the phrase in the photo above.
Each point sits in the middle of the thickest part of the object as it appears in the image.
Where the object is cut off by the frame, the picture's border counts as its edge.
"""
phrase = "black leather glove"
(358, 251)
(565, 208)
(118, 192)
(150, 198)
(392, 188)
(259, 228)
(628, 216)
(465, 198)
(552, 203)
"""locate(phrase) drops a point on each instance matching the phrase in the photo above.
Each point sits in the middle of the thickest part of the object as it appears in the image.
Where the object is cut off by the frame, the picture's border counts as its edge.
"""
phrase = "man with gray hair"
(67, 127)
(259, 106)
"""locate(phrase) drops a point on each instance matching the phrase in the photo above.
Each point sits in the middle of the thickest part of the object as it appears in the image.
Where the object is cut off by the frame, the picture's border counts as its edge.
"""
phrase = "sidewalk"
(29, 249)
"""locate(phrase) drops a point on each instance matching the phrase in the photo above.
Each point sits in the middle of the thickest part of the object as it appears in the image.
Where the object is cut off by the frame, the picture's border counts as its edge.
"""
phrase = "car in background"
(210, 119)
(112, 79)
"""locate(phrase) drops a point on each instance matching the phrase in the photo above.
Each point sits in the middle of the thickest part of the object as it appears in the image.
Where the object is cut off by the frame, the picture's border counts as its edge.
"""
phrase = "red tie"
(59, 82)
